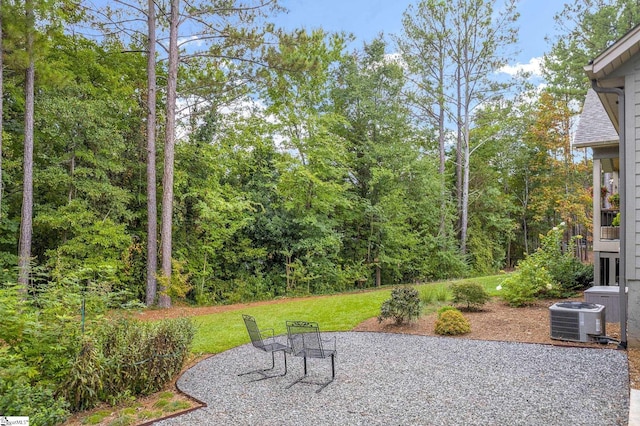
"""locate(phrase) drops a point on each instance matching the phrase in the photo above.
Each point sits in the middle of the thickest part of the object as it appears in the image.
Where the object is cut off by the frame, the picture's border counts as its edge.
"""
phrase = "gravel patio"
(399, 379)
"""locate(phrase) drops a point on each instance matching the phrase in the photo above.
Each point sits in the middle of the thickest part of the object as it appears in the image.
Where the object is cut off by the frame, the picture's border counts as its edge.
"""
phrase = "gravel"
(398, 379)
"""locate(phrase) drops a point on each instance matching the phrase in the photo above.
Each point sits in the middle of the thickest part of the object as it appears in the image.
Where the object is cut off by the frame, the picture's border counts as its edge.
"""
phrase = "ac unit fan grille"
(565, 325)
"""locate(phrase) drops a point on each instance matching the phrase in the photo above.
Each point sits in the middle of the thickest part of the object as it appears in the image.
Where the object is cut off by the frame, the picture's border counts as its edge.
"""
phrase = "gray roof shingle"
(594, 127)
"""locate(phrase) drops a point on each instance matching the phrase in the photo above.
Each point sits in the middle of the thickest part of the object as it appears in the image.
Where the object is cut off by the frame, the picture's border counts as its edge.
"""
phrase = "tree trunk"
(167, 180)
(152, 209)
(442, 153)
(26, 224)
(525, 227)
(459, 148)
(464, 213)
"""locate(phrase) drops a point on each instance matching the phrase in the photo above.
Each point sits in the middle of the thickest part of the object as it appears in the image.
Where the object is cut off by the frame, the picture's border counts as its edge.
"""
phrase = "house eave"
(598, 144)
(616, 55)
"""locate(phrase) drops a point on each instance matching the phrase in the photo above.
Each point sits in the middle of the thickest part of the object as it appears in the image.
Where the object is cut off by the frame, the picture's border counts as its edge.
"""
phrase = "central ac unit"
(577, 321)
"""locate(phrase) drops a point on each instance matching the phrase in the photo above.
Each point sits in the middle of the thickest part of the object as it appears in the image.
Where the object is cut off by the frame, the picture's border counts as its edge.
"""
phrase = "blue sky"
(367, 18)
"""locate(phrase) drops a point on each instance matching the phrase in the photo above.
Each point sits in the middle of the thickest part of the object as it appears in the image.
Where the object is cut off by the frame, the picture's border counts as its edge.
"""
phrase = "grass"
(96, 417)
(222, 331)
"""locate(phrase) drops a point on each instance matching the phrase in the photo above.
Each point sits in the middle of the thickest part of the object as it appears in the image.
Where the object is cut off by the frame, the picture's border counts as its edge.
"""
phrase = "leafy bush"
(404, 305)
(563, 266)
(178, 285)
(127, 358)
(583, 276)
(526, 284)
(451, 322)
(39, 338)
(18, 395)
(471, 294)
(549, 272)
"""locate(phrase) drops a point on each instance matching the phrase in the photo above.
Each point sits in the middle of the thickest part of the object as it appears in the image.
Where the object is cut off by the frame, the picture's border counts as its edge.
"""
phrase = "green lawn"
(341, 312)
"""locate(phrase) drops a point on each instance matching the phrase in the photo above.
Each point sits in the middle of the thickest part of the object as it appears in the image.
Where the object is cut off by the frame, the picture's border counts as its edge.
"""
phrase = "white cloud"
(191, 41)
(533, 67)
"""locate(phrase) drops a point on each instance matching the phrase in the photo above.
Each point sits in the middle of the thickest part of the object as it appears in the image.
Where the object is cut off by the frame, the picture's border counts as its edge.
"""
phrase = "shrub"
(48, 366)
(404, 305)
(526, 284)
(37, 344)
(471, 294)
(563, 266)
(451, 322)
(19, 396)
(583, 276)
(549, 272)
(127, 358)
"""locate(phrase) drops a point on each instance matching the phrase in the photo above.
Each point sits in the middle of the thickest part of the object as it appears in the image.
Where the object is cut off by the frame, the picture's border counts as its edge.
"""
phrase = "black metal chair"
(268, 344)
(305, 341)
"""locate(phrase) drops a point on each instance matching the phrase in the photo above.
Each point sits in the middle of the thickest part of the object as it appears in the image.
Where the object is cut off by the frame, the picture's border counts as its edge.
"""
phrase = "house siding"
(632, 221)
(633, 320)
(632, 203)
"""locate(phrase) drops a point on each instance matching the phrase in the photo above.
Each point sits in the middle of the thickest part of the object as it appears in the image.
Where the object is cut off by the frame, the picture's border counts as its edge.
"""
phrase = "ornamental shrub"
(404, 305)
(126, 358)
(471, 294)
(525, 285)
(451, 322)
(548, 272)
(565, 269)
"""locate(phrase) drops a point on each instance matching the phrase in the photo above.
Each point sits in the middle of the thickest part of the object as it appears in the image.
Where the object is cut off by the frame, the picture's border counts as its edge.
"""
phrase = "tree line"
(161, 150)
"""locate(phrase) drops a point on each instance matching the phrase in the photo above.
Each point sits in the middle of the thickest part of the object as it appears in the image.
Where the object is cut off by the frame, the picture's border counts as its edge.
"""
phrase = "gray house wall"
(632, 204)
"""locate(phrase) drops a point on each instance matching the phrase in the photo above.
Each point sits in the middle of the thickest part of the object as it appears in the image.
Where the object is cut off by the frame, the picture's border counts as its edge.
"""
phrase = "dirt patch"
(496, 321)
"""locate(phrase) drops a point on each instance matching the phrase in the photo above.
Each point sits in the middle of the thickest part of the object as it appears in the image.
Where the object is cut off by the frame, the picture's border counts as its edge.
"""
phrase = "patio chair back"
(304, 339)
(254, 331)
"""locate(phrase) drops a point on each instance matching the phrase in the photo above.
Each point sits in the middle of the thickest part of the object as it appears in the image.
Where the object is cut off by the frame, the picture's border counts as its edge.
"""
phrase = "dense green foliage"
(451, 322)
(403, 306)
(470, 294)
(443, 309)
(586, 29)
(57, 358)
(315, 175)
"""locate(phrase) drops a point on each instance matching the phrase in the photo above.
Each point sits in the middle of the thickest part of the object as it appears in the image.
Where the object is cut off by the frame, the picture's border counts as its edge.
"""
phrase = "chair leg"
(301, 378)
(333, 374)
(264, 371)
(333, 366)
(322, 384)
